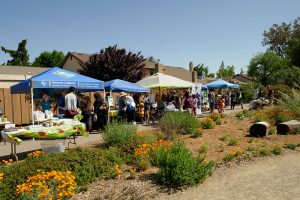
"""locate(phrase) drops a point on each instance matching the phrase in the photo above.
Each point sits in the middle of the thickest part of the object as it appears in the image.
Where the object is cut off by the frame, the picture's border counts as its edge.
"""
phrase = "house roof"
(84, 57)
(244, 76)
(21, 70)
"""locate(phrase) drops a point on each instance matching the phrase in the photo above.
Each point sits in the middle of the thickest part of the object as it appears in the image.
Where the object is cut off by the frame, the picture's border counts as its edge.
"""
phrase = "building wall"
(7, 80)
(72, 64)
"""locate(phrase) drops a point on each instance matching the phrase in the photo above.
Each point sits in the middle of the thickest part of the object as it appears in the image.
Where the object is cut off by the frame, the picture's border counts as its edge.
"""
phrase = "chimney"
(191, 66)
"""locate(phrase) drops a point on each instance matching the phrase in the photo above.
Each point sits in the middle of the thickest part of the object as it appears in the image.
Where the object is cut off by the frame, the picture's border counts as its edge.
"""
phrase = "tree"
(20, 56)
(115, 63)
(201, 70)
(225, 71)
(265, 67)
(279, 36)
(293, 52)
(49, 59)
(153, 60)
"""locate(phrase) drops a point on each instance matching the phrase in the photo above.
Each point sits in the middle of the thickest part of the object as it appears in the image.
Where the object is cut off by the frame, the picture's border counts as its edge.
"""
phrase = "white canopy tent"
(160, 80)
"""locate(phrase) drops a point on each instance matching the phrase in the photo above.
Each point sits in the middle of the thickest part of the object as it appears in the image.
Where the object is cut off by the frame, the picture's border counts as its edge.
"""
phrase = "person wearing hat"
(122, 106)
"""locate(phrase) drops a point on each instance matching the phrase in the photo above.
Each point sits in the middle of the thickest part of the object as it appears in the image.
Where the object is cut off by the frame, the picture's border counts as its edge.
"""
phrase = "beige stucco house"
(73, 59)
(11, 75)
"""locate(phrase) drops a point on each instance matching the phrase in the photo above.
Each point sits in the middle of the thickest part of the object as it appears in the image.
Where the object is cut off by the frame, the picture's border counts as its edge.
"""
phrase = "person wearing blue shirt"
(45, 103)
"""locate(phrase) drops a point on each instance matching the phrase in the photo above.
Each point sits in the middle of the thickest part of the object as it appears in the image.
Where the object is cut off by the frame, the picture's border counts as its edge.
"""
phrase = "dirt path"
(272, 178)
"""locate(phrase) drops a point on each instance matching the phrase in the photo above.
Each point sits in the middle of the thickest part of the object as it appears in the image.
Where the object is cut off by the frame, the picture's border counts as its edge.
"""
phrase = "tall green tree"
(265, 66)
(278, 37)
(115, 63)
(201, 70)
(49, 59)
(153, 59)
(19, 57)
(225, 71)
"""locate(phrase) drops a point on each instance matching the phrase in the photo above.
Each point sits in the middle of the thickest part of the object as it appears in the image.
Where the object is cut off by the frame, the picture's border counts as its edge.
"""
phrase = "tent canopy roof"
(160, 80)
(57, 78)
(118, 85)
(221, 84)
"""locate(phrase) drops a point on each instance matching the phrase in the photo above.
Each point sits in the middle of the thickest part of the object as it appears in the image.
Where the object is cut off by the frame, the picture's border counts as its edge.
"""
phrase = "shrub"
(245, 114)
(233, 142)
(251, 148)
(290, 146)
(276, 150)
(224, 138)
(291, 103)
(119, 134)
(264, 151)
(180, 122)
(197, 133)
(249, 89)
(178, 167)
(280, 115)
(204, 148)
(85, 164)
(218, 122)
(207, 123)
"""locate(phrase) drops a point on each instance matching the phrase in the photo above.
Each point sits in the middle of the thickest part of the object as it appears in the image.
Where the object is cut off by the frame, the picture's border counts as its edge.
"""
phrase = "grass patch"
(264, 151)
(291, 146)
(277, 150)
(224, 138)
(233, 142)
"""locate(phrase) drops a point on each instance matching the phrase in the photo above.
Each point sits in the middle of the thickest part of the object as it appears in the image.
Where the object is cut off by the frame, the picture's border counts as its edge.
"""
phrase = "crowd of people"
(142, 107)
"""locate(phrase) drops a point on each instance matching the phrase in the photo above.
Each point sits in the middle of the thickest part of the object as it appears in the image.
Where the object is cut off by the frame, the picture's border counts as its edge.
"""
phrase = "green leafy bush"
(119, 134)
(204, 148)
(277, 150)
(178, 167)
(180, 122)
(85, 164)
(197, 133)
(249, 89)
(207, 123)
(218, 122)
(291, 146)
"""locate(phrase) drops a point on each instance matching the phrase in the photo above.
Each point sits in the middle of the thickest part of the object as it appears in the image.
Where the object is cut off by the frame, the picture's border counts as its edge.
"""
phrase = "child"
(220, 104)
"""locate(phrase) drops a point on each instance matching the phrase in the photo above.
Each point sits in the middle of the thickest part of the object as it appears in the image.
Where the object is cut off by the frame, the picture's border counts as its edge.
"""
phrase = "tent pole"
(108, 120)
(32, 108)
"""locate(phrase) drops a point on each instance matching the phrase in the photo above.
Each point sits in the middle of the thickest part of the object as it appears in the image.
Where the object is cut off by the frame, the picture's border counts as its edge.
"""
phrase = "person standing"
(122, 106)
(100, 108)
(86, 113)
(211, 99)
(147, 107)
(71, 102)
(233, 100)
(61, 102)
(130, 109)
(241, 98)
(270, 95)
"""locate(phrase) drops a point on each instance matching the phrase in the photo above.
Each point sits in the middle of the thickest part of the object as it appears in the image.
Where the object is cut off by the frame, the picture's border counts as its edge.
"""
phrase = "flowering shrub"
(6, 162)
(207, 123)
(1, 177)
(48, 185)
(35, 153)
(230, 156)
(143, 153)
(214, 116)
(119, 172)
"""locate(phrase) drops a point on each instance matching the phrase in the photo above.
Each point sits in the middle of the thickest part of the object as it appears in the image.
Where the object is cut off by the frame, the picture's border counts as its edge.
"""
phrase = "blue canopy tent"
(55, 79)
(118, 85)
(221, 84)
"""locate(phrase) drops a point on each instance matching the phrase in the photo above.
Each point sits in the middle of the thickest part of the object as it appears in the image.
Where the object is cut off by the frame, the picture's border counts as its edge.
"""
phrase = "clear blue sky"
(174, 31)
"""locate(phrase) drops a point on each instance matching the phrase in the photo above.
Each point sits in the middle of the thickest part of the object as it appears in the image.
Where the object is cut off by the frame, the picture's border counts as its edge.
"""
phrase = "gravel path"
(273, 178)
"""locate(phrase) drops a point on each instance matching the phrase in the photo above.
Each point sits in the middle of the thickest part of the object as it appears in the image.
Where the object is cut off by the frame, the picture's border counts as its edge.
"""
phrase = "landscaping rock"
(260, 129)
(289, 127)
